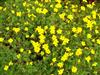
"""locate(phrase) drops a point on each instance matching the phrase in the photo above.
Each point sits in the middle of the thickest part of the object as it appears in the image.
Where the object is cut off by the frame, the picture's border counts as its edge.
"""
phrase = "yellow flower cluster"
(46, 48)
(36, 46)
(64, 39)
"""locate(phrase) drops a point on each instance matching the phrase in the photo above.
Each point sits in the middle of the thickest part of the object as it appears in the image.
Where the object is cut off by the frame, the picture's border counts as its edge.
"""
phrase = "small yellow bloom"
(21, 50)
(1, 7)
(31, 63)
(89, 36)
(24, 3)
(68, 49)
(10, 63)
(1, 39)
(74, 29)
(60, 64)
(83, 8)
(62, 16)
(88, 58)
(52, 29)
(92, 51)
(6, 67)
(26, 28)
(74, 69)
(59, 31)
(79, 30)
(98, 41)
(42, 53)
(29, 52)
(58, 5)
(18, 56)
(60, 71)
(78, 52)
(44, 11)
(54, 60)
(55, 10)
(16, 29)
(84, 0)
(83, 43)
(94, 64)
(18, 14)
(7, 28)
(12, 11)
(70, 17)
(10, 40)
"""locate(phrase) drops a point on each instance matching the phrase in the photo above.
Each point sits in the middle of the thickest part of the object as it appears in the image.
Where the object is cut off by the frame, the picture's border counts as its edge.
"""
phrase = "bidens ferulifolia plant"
(49, 37)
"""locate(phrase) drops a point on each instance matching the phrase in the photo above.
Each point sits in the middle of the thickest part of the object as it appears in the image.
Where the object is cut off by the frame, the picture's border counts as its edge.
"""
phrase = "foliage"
(49, 37)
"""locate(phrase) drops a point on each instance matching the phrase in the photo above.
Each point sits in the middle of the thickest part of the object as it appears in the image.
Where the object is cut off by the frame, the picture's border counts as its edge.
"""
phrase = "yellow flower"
(74, 69)
(27, 36)
(24, 3)
(79, 60)
(42, 53)
(40, 30)
(62, 16)
(1, 7)
(10, 63)
(18, 14)
(45, 28)
(51, 6)
(12, 11)
(68, 49)
(18, 56)
(1, 39)
(92, 51)
(98, 41)
(88, 58)
(89, 36)
(60, 71)
(44, 11)
(52, 29)
(70, 17)
(83, 43)
(16, 29)
(55, 42)
(65, 57)
(10, 40)
(79, 30)
(36, 46)
(46, 48)
(90, 6)
(94, 64)
(29, 52)
(39, 10)
(65, 41)
(47, 0)
(21, 50)
(26, 28)
(60, 64)
(42, 38)
(7, 28)
(93, 14)
(6, 67)
(54, 60)
(83, 8)
(78, 52)
(59, 1)
(74, 29)
(55, 10)
(58, 5)
(84, 0)
(31, 63)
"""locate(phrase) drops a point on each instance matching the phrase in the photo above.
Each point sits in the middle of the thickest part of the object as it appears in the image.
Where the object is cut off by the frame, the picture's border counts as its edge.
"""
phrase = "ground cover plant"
(49, 37)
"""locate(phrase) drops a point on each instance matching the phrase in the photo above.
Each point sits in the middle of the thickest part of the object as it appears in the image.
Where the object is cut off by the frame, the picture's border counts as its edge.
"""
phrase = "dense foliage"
(49, 37)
